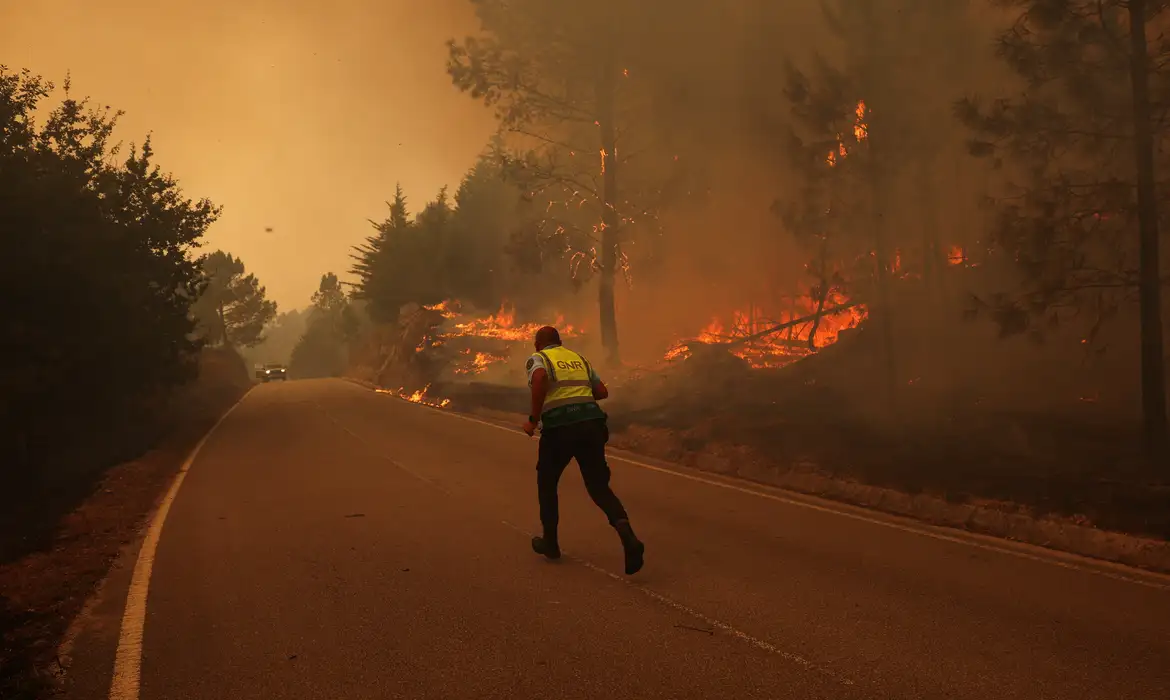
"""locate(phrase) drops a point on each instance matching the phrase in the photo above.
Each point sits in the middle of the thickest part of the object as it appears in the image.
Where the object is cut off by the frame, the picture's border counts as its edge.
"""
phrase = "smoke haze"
(298, 116)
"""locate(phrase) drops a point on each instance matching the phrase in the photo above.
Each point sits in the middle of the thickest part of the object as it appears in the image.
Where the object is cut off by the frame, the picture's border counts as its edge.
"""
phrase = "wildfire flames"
(748, 334)
(779, 348)
(502, 325)
(418, 396)
(498, 330)
(479, 363)
(860, 133)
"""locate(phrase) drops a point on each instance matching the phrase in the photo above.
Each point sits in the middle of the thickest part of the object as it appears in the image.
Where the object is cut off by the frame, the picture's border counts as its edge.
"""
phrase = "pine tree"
(375, 262)
(486, 213)
(233, 308)
(864, 124)
(1081, 144)
(557, 76)
(322, 349)
(98, 247)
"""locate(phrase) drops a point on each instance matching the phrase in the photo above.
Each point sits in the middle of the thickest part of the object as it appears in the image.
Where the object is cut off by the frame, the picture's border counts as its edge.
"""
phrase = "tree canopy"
(559, 78)
(233, 308)
(322, 350)
(97, 254)
(618, 156)
(1080, 212)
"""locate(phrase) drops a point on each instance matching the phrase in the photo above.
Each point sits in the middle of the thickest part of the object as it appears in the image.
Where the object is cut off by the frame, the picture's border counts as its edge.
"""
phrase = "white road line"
(1052, 557)
(756, 642)
(128, 660)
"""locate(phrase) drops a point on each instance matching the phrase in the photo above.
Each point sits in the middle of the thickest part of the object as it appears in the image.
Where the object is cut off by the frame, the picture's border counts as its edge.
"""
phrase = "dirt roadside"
(42, 592)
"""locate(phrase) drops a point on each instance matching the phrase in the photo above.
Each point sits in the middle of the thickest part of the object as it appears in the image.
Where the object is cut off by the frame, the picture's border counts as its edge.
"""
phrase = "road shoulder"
(1011, 526)
(71, 594)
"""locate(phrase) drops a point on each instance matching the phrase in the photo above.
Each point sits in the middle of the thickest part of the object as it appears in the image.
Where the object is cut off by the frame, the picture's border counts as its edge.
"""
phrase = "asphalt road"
(334, 543)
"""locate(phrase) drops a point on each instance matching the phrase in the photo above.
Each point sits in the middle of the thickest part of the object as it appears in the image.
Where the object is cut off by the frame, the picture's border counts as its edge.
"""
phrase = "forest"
(909, 245)
(925, 255)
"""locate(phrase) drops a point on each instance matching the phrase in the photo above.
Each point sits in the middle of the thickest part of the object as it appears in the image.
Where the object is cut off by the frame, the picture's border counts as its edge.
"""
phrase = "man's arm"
(600, 390)
(539, 391)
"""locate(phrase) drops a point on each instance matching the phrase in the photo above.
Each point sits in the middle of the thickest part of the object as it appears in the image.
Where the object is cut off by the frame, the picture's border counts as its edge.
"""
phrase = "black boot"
(547, 545)
(633, 547)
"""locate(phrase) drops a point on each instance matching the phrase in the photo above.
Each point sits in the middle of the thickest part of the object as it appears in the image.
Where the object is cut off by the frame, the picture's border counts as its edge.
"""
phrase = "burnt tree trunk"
(823, 293)
(933, 256)
(1153, 367)
(879, 178)
(884, 264)
(610, 221)
(223, 331)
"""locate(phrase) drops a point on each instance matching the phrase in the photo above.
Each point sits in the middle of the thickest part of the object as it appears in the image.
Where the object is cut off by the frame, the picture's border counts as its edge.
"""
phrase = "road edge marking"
(1053, 557)
(126, 681)
(749, 639)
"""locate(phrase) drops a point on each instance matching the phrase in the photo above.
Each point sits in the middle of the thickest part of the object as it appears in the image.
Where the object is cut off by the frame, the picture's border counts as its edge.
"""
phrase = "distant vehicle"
(272, 371)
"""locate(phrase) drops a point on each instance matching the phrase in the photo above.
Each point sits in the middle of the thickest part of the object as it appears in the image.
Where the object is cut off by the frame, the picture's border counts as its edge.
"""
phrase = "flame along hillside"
(769, 341)
(749, 392)
(434, 348)
(442, 352)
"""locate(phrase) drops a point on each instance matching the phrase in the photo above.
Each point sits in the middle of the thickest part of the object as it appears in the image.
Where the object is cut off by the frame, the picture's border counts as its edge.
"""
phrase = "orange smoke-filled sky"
(298, 115)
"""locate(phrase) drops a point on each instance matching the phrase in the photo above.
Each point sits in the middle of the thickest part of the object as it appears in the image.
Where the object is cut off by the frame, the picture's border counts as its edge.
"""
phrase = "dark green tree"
(280, 337)
(322, 350)
(380, 264)
(557, 76)
(1080, 144)
(486, 213)
(233, 308)
(866, 125)
(96, 265)
(430, 250)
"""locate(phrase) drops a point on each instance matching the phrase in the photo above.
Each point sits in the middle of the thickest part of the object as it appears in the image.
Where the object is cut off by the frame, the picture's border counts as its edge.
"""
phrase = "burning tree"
(1082, 139)
(558, 75)
(864, 125)
(823, 212)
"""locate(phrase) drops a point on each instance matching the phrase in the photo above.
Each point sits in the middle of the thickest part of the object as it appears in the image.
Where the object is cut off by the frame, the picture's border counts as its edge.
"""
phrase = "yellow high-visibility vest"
(569, 376)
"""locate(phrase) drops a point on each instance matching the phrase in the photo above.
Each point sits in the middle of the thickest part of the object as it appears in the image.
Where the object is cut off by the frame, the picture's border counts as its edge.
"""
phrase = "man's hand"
(530, 428)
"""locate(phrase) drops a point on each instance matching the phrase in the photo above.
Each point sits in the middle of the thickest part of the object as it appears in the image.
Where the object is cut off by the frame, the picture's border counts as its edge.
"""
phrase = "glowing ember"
(956, 256)
(417, 396)
(860, 133)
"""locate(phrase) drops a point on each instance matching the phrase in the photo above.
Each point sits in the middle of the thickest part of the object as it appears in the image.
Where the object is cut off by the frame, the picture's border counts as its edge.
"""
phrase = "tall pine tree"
(558, 76)
(1081, 143)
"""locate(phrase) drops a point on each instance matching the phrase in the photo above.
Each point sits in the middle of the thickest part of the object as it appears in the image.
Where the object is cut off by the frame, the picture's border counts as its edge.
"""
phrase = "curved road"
(334, 543)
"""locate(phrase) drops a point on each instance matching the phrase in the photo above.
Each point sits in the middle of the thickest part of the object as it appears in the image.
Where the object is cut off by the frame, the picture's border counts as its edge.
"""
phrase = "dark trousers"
(584, 441)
